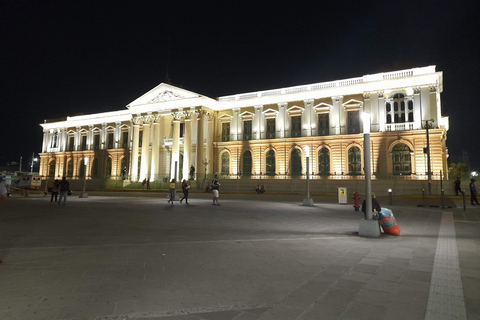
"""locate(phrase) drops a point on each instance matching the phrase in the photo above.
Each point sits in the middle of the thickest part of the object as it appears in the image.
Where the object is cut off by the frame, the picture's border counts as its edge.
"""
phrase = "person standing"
(473, 192)
(185, 188)
(64, 188)
(148, 184)
(457, 186)
(55, 189)
(172, 191)
(375, 205)
(215, 190)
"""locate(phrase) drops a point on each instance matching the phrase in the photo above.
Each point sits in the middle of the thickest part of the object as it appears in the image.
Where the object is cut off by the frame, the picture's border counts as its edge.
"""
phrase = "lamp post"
(308, 202)
(427, 151)
(84, 194)
(33, 161)
(368, 226)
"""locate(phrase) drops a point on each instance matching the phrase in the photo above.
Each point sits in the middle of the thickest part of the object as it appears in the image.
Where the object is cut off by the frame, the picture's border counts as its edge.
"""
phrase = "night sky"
(64, 58)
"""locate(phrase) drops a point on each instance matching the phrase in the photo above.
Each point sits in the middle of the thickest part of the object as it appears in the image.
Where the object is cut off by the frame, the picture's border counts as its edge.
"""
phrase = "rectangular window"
(247, 130)
(182, 130)
(270, 128)
(140, 139)
(296, 126)
(71, 143)
(323, 125)
(96, 142)
(353, 122)
(226, 131)
(125, 139)
(110, 140)
(83, 144)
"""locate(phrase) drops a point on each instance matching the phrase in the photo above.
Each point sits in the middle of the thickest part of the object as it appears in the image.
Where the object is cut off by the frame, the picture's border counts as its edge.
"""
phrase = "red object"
(356, 201)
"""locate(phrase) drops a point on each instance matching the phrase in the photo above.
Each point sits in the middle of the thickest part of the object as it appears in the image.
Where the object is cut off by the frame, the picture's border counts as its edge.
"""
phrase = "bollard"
(423, 196)
(390, 200)
(464, 205)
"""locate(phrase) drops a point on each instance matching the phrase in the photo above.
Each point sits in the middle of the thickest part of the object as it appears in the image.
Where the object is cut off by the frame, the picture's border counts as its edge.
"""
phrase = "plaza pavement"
(254, 257)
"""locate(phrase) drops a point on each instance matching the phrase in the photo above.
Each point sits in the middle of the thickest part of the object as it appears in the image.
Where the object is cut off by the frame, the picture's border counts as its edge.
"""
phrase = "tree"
(458, 170)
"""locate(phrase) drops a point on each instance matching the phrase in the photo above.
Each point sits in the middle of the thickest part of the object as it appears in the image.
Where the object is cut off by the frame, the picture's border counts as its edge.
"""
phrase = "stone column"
(154, 166)
(103, 137)
(134, 165)
(308, 120)
(200, 168)
(45, 141)
(257, 126)
(417, 109)
(234, 130)
(77, 140)
(280, 123)
(144, 168)
(339, 115)
(187, 146)
(381, 111)
(210, 131)
(118, 134)
(174, 166)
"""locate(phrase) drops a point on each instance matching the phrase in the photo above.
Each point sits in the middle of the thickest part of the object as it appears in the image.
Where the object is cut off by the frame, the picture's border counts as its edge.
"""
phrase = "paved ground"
(133, 256)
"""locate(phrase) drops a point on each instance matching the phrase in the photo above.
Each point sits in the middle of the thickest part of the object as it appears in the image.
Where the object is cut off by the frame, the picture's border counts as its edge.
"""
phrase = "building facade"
(166, 131)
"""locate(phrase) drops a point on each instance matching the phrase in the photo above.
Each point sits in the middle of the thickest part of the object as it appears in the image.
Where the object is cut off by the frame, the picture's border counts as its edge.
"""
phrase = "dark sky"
(62, 58)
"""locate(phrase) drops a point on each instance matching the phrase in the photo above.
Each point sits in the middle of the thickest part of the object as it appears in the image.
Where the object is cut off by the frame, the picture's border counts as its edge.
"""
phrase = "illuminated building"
(157, 136)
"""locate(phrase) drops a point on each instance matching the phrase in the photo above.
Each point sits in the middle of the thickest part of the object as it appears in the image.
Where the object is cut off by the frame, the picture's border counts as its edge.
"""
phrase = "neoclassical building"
(167, 130)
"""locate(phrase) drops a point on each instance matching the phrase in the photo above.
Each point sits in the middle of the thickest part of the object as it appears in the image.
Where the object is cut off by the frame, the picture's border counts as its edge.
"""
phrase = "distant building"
(164, 132)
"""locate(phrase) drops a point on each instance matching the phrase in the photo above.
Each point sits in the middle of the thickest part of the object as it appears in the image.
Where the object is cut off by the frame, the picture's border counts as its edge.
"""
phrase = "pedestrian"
(148, 184)
(64, 189)
(143, 183)
(185, 188)
(375, 205)
(55, 189)
(3, 191)
(215, 188)
(457, 186)
(473, 192)
(192, 172)
(172, 191)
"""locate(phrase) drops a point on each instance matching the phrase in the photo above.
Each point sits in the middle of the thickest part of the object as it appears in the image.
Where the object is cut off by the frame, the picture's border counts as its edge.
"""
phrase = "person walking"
(457, 186)
(185, 188)
(215, 190)
(64, 188)
(143, 183)
(55, 189)
(148, 184)
(172, 191)
(473, 192)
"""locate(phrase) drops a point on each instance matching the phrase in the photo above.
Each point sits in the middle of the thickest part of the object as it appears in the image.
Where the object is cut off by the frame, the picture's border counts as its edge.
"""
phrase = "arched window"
(354, 161)
(108, 167)
(51, 169)
(225, 164)
(401, 160)
(296, 163)
(324, 162)
(95, 168)
(247, 163)
(270, 163)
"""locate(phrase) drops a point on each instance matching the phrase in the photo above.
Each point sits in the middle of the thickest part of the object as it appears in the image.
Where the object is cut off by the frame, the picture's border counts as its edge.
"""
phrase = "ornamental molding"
(166, 95)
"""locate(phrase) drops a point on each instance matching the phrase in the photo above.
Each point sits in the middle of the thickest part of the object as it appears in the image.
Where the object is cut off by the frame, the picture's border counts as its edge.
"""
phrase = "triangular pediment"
(164, 93)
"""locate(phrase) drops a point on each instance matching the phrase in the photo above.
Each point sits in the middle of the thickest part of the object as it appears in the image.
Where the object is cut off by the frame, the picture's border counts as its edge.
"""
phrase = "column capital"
(380, 94)
(308, 102)
(416, 90)
(366, 95)
(282, 104)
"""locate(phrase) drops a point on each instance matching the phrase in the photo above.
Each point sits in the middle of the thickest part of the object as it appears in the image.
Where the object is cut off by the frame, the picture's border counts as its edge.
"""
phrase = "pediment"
(163, 93)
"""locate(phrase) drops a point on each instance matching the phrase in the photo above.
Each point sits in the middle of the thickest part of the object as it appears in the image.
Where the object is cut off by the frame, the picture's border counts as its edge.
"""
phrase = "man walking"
(473, 192)
(64, 188)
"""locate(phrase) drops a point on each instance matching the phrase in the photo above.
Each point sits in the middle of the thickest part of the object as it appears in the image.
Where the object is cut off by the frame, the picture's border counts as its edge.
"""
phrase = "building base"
(83, 195)
(369, 228)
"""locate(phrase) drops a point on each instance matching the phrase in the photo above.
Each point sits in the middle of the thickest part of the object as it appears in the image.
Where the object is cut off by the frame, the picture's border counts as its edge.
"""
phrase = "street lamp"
(33, 161)
(84, 194)
(427, 151)
(308, 202)
(368, 226)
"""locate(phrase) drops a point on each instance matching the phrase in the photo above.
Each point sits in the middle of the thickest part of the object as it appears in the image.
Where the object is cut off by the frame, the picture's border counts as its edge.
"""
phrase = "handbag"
(69, 192)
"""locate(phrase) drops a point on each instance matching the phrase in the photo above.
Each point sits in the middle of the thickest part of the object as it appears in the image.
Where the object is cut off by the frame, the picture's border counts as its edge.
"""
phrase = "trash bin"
(388, 222)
